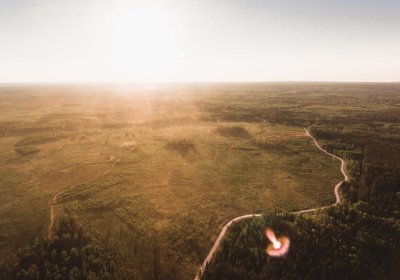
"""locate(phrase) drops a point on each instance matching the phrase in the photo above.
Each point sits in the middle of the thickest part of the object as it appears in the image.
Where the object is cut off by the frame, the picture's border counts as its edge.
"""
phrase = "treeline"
(69, 254)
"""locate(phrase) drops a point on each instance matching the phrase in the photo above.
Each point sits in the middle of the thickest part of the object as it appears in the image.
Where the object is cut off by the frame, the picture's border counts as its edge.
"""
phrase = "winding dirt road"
(342, 167)
(221, 235)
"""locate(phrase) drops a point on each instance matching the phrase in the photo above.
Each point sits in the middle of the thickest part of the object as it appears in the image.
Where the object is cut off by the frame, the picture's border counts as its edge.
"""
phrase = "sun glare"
(143, 43)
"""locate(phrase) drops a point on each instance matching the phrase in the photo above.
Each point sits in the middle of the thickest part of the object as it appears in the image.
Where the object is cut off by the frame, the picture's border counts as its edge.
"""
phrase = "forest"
(69, 254)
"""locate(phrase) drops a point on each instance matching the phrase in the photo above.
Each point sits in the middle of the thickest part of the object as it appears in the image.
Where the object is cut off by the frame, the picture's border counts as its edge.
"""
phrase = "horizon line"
(192, 82)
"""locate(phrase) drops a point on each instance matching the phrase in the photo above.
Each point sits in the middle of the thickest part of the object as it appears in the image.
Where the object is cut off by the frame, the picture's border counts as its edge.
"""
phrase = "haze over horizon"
(190, 41)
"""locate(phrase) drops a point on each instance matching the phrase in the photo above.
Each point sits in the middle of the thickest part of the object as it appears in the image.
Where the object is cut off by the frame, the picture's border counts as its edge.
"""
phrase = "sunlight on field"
(146, 171)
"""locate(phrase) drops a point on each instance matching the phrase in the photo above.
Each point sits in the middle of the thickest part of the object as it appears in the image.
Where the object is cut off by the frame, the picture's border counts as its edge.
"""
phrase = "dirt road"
(221, 235)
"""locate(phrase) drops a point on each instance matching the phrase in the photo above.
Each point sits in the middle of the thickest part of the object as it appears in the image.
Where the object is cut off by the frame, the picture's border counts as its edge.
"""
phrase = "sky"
(204, 40)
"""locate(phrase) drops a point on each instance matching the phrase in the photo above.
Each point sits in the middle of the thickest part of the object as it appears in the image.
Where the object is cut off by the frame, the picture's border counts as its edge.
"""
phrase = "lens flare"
(276, 244)
(279, 246)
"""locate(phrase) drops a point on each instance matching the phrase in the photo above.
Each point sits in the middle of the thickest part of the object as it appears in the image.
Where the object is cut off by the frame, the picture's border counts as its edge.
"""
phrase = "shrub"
(27, 150)
(181, 145)
(233, 131)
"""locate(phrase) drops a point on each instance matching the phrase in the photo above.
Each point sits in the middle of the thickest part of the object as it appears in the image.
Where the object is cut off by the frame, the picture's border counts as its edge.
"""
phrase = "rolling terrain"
(153, 174)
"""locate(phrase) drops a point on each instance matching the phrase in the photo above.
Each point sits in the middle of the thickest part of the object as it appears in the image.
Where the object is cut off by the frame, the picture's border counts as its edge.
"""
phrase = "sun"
(143, 43)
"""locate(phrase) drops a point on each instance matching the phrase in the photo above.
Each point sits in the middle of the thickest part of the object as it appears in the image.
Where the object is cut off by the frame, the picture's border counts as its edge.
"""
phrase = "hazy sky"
(204, 40)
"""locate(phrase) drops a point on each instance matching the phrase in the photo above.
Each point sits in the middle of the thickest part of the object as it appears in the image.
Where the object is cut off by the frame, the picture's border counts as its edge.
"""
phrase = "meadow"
(153, 173)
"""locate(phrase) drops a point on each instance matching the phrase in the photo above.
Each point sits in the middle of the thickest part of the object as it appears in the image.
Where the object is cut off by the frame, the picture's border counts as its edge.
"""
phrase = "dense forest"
(69, 254)
(341, 242)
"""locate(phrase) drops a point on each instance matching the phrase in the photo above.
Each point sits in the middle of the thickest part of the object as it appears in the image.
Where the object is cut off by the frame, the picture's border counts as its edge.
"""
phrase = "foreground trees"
(70, 254)
(343, 242)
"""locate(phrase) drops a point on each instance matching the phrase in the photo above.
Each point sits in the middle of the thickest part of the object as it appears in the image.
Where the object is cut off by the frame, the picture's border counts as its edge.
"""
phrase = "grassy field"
(152, 173)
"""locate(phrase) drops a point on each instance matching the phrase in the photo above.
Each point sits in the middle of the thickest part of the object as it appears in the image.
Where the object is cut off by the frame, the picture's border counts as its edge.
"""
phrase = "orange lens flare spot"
(279, 246)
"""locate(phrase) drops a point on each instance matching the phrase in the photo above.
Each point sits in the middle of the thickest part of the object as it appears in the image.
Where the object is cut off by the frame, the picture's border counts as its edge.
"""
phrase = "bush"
(181, 145)
(27, 150)
(233, 131)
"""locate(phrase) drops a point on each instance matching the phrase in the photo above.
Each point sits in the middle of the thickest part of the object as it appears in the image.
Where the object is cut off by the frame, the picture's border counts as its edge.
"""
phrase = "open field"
(152, 174)
(147, 171)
